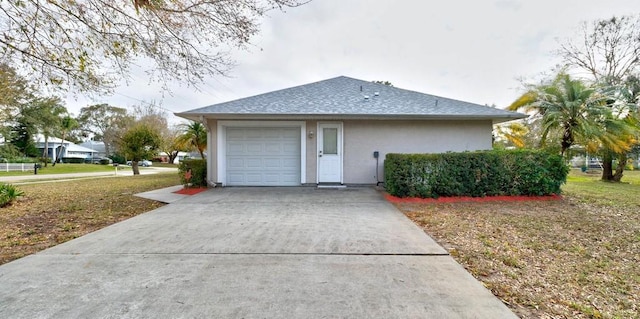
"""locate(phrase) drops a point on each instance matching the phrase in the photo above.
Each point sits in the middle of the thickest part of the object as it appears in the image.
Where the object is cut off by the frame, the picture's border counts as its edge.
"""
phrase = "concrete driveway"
(251, 253)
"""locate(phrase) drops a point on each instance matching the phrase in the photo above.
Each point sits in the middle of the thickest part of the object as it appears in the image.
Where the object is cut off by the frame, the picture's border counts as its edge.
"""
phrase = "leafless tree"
(608, 50)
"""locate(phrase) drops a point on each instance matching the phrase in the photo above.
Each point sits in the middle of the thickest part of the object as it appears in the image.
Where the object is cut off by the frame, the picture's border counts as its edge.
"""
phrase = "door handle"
(319, 153)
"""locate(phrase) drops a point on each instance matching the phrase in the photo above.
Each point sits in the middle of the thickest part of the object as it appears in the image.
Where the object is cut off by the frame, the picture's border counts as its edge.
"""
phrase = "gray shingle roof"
(347, 97)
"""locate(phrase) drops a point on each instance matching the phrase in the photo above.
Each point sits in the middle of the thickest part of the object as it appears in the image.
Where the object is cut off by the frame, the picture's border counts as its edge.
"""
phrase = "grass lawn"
(156, 164)
(52, 213)
(574, 258)
(63, 168)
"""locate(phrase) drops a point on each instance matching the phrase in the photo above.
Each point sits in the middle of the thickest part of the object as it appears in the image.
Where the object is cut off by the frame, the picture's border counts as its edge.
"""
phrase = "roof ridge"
(347, 96)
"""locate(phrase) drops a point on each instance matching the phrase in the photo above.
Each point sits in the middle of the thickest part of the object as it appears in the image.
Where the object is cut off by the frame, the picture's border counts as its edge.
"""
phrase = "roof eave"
(448, 117)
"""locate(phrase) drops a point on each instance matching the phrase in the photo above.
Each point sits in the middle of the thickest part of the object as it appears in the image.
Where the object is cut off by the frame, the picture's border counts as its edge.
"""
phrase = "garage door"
(264, 156)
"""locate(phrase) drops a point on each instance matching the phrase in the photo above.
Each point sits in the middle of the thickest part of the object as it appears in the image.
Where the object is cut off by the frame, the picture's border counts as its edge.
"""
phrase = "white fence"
(23, 167)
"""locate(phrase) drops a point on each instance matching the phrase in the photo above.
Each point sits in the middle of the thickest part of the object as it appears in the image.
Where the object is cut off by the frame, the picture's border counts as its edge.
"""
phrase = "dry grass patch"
(52, 213)
(574, 258)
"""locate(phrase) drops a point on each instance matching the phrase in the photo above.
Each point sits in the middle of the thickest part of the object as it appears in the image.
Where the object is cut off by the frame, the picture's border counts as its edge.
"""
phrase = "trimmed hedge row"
(476, 174)
(198, 172)
(73, 160)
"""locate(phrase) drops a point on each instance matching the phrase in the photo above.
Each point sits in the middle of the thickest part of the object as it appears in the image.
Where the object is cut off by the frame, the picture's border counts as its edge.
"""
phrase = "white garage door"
(263, 156)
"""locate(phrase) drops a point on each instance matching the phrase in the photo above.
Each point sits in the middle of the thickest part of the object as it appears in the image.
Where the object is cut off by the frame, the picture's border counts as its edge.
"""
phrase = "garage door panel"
(254, 148)
(253, 133)
(253, 163)
(235, 163)
(271, 134)
(291, 178)
(273, 148)
(273, 163)
(290, 147)
(253, 178)
(235, 149)
(235, 178)
(235, 135)
(290, 163)
(272, 178)
(265, 156)
(291, 133)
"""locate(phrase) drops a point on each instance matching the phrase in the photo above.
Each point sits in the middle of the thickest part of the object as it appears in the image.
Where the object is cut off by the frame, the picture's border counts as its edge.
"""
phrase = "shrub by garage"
(476, 174)
(198, 168)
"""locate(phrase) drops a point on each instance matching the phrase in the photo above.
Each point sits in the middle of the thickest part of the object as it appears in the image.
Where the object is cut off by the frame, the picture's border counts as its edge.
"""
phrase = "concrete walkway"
(164, 195)
(251, 253)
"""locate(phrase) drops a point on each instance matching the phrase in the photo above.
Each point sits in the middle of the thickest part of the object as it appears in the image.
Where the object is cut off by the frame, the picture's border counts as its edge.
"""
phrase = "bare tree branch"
(609, 49)
(88, 45)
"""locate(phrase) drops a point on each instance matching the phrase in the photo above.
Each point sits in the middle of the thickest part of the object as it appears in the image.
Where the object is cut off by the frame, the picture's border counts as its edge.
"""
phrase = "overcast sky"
(473, 50)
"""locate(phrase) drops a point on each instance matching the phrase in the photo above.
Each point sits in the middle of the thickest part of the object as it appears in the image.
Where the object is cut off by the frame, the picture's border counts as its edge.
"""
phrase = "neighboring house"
(164, 157)
(97, 146)
(331, 131)
(68, 149)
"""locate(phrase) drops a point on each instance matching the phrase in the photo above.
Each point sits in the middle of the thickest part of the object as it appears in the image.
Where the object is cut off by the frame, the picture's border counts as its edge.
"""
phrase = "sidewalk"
(164, 195)
(52, 177)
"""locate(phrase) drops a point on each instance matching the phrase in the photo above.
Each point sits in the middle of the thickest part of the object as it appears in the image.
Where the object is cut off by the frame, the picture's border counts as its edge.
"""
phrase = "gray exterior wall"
(363, 137)
(212, 146)
(312, 152)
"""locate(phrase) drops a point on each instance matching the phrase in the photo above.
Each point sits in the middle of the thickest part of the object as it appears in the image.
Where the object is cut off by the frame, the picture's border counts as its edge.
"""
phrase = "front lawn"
(52, 213)
(64, 168)
(574, 258)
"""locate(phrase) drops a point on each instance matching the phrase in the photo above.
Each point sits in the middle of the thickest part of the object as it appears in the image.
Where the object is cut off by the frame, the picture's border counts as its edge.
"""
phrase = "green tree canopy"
(194, 135)
(172, 143)
(107, 123)
(14, 92)
(579, 112)
(67, 124)
(608, 51)
(140, 142)
(47, 115)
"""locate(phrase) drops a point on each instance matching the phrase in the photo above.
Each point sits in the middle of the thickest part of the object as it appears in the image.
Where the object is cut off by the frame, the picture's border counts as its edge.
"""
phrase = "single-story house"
(97, 146)
(164, 157)
(335, 131)
(69, 149)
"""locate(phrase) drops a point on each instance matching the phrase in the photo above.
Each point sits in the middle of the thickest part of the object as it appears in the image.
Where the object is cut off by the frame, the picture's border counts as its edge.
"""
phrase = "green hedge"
(198, 172)
(477, 174)
(73, 160)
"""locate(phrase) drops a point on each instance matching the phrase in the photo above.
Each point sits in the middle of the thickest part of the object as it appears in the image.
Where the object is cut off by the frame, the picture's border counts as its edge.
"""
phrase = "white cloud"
(468, 50)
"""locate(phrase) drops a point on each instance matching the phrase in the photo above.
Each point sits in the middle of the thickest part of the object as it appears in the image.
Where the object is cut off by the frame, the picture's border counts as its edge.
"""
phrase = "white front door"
(330, 153)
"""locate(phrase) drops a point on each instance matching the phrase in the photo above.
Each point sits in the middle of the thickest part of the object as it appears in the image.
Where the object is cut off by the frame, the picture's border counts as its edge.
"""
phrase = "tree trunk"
(60, 151)
(622, 162)
(172, 156)
(45, 153)
(134, 167)
(607, 166)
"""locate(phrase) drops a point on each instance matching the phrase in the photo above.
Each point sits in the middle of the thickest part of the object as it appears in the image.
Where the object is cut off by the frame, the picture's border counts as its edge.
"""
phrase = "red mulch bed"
(191, 191)
(394, 199)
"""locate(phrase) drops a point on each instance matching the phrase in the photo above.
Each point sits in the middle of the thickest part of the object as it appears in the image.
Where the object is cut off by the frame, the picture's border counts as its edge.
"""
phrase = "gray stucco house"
(330, 132)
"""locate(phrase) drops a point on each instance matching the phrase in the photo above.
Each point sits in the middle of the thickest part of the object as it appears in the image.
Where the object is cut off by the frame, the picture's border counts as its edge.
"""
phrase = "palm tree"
(578, 112)
(49, 111)
(194, 134)
(514, 133)
(67, 124)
